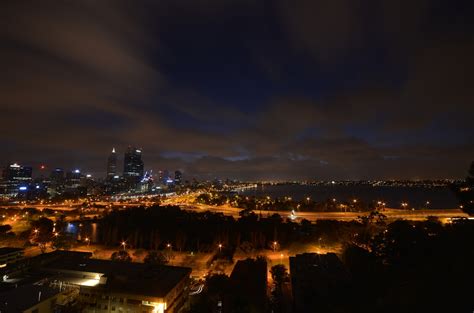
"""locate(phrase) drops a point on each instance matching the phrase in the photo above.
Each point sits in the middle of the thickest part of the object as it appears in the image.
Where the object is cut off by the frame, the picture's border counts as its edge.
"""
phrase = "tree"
(245, 212)
(156, 258)
(4, 229)
(121, 256)
(42, 232)
(360, 262)
(280, 276)
(63, 241)
(217, 284)
(465, 192)
(470, 177)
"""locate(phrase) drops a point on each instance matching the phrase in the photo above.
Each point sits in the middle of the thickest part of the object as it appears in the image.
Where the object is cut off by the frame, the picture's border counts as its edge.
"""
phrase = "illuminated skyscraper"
(16, 178)
(73, 179)
(112, 165)
(133, 165)
(16, 172)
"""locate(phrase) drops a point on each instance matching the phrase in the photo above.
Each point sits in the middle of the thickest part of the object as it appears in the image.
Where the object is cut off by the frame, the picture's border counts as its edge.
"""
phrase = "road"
(392, 214)
(187, 202)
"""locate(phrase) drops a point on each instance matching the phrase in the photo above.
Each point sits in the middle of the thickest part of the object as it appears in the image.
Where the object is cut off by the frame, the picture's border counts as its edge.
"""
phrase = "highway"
(391, 214)
(187, 202)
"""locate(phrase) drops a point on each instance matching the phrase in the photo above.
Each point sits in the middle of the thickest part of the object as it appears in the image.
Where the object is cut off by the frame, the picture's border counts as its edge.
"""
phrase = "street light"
(274, 245)
(124, 244)
(87, 240)
(220, 247)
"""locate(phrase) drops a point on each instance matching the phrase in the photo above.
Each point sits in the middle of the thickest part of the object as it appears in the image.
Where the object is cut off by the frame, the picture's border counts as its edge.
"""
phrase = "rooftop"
(8, 250)
(132, 278)
(25, 297)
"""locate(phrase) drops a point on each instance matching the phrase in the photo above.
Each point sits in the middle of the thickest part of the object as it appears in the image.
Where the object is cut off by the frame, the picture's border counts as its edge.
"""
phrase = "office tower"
(57, 176)
(16, 172)
(160, 176)
(166, 176)
(133, 165)
(178, 177)
(73, 179)
(112, 165)
(16, 178)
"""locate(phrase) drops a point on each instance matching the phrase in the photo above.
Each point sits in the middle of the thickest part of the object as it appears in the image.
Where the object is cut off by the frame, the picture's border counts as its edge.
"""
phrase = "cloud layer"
(241, 89)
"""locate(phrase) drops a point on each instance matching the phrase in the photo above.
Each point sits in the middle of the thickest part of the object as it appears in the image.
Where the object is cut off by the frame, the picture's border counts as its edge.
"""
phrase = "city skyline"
(102, 172)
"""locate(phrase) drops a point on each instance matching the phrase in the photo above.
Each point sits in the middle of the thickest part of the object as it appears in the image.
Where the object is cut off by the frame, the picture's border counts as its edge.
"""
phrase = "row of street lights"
(124, 244)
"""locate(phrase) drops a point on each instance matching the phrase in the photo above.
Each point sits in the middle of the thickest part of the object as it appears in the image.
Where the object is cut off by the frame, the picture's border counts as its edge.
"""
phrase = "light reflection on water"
(87, 230)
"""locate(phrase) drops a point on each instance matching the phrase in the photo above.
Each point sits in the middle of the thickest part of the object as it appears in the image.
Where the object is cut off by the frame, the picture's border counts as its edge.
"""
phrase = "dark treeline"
(155, 227)
(412, 267)
(465, 192)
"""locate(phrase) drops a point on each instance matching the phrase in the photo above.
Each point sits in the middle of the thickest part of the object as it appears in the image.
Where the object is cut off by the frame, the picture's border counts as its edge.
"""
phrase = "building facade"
(133, 167)
(112, 165)
(16, 179)
(10, 256)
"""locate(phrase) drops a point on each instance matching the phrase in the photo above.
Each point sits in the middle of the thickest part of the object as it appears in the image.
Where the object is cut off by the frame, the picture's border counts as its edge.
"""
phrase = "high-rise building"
(133, 165)
(57, 176)
(16, 178)
(160, 176)
(57, 181)
(73, 179)
(166, 177)
(178, 177)
(112, 165)
(16, 172)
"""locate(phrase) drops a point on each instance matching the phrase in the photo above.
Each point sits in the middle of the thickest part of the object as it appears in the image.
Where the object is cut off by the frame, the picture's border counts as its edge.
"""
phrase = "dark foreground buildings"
(64, 281)
(248, 282)
(319, 282)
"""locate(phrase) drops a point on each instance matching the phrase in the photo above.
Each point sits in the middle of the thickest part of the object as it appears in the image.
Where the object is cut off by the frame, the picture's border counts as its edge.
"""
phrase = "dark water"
(438, 197)
(80, 231)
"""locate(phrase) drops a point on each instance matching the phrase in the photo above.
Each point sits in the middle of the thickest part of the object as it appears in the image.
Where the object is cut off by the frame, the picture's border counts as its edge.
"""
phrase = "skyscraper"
(57, 176)
(73, 179)
(18, 172)
(16, 178)
(112, 165)
(178, 177)
(133, 165)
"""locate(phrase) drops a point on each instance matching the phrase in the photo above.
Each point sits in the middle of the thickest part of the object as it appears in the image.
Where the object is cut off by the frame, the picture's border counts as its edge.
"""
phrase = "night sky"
(333, 89)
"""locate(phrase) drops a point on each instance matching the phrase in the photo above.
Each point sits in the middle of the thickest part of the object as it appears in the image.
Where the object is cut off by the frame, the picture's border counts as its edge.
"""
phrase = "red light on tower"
(42, 166)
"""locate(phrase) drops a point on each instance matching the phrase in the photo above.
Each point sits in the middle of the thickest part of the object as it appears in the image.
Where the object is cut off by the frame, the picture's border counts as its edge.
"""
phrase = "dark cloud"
(241, 88)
